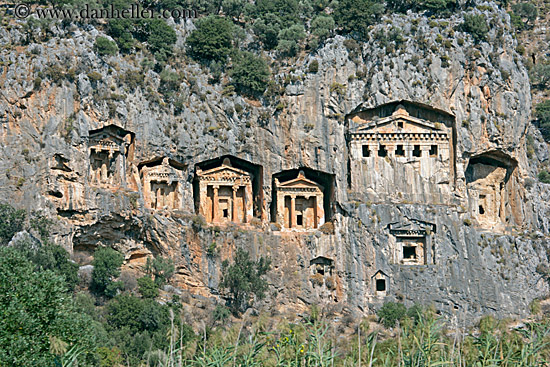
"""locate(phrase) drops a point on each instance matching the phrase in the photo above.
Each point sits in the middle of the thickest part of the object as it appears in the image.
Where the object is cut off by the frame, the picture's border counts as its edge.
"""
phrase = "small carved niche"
(412, 240)
(322, 274)
(380, 284)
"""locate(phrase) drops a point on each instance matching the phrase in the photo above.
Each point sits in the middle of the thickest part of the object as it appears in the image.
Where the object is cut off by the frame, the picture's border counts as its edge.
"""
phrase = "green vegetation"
(212, 40)
(106, 264)
(477, 26)
(542, 112)
(544, 176)
(243, 279)
(523, 15)
(356, 16)
(148, 288)
(250, 74)
(390, 313)
(160, 269)
(105, 47)
(11, 222)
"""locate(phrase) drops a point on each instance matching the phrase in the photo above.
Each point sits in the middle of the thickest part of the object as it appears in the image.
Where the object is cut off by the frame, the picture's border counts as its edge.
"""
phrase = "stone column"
(408, 151)
(425, 164)
(235, 215)
(391, 150)
(215, 203)
(292, 222)
(315, 212)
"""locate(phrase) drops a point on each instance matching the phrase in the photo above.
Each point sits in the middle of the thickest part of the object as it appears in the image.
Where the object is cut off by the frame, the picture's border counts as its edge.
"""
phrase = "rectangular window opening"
(300, 220)
(399, 151)
(409, 252)
(380, 285)
(433, 151)
(366, 151)
(225, 213)
(416, 151)
(382, 152)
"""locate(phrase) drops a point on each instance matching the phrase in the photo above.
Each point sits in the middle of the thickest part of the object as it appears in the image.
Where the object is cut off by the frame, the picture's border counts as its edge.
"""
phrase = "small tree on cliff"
(243, 280)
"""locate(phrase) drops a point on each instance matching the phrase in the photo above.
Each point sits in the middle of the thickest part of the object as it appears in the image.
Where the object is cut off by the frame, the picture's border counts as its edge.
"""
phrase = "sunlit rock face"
(408, 166)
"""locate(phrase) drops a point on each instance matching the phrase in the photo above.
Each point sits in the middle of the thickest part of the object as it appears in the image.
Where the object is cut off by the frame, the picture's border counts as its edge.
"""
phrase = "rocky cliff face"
(470, 264)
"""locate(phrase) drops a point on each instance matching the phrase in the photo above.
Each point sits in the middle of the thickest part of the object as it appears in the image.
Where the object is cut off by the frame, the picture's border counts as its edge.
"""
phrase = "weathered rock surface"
(44, 165)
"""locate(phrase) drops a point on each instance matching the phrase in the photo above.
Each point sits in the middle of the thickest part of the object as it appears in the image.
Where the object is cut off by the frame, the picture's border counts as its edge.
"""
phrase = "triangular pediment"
(224, 171)
(380, 272)
(396, 124)
(301, 182)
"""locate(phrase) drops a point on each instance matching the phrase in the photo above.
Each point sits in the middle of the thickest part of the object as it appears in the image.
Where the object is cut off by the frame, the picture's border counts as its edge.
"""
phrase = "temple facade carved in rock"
(110, 150)
(401, 150)
(411, 242)
(225, 194)
(299, 203)
(162, 183)
(491, 181)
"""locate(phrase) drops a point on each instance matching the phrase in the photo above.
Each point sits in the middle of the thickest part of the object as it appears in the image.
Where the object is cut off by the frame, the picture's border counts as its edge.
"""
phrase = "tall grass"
(421, 342)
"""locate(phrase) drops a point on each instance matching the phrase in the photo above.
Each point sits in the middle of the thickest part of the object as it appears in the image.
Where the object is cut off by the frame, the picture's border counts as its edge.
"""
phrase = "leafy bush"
(390, 313)
(161, 38)
(354, 17)
(106, 264)
(267, 30)
(525, 10)
(322, 26)
(476, 25)
(544, 176)
(160, 268)
(105, 47)
(35, 314)
(212, 40)
(243, 279)
(540, 75)
(250, 74)
(11, 222)
(147, 287)
(289, 39)
(313, 67)
(542, 112)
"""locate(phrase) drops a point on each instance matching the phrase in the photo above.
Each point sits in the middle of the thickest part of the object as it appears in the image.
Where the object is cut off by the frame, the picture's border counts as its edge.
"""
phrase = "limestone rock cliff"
(477, 223)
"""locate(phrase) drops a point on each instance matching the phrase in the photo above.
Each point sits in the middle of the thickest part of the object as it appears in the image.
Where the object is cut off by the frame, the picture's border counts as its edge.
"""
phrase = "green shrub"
(354, 17)
(544, 176)
(147, 287)
(221, 313)
(390, 313)
(322, 26)
(289, 39)
(476, 25)
(35, 314)
(250, 74)
(105, 47)
(521, 11)
(121, 31)
(161, 39)
(243, 278)
(106, 264)
(267, 30)
(542, 112)
(11, 222)
(160, 268)
(313, 67)
(212, 40)
(94, 76)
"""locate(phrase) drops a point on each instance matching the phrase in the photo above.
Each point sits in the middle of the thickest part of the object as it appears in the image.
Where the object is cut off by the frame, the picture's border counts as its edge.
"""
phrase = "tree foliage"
(355, 16)
(160, 268)
(106, 264)
(147, 287)
(476, 25)
(11, 222)
(212, 40)
(390, 313)
(36, 312)
(105, 47)
(542, 112)
(250, 74)
(243, 279)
